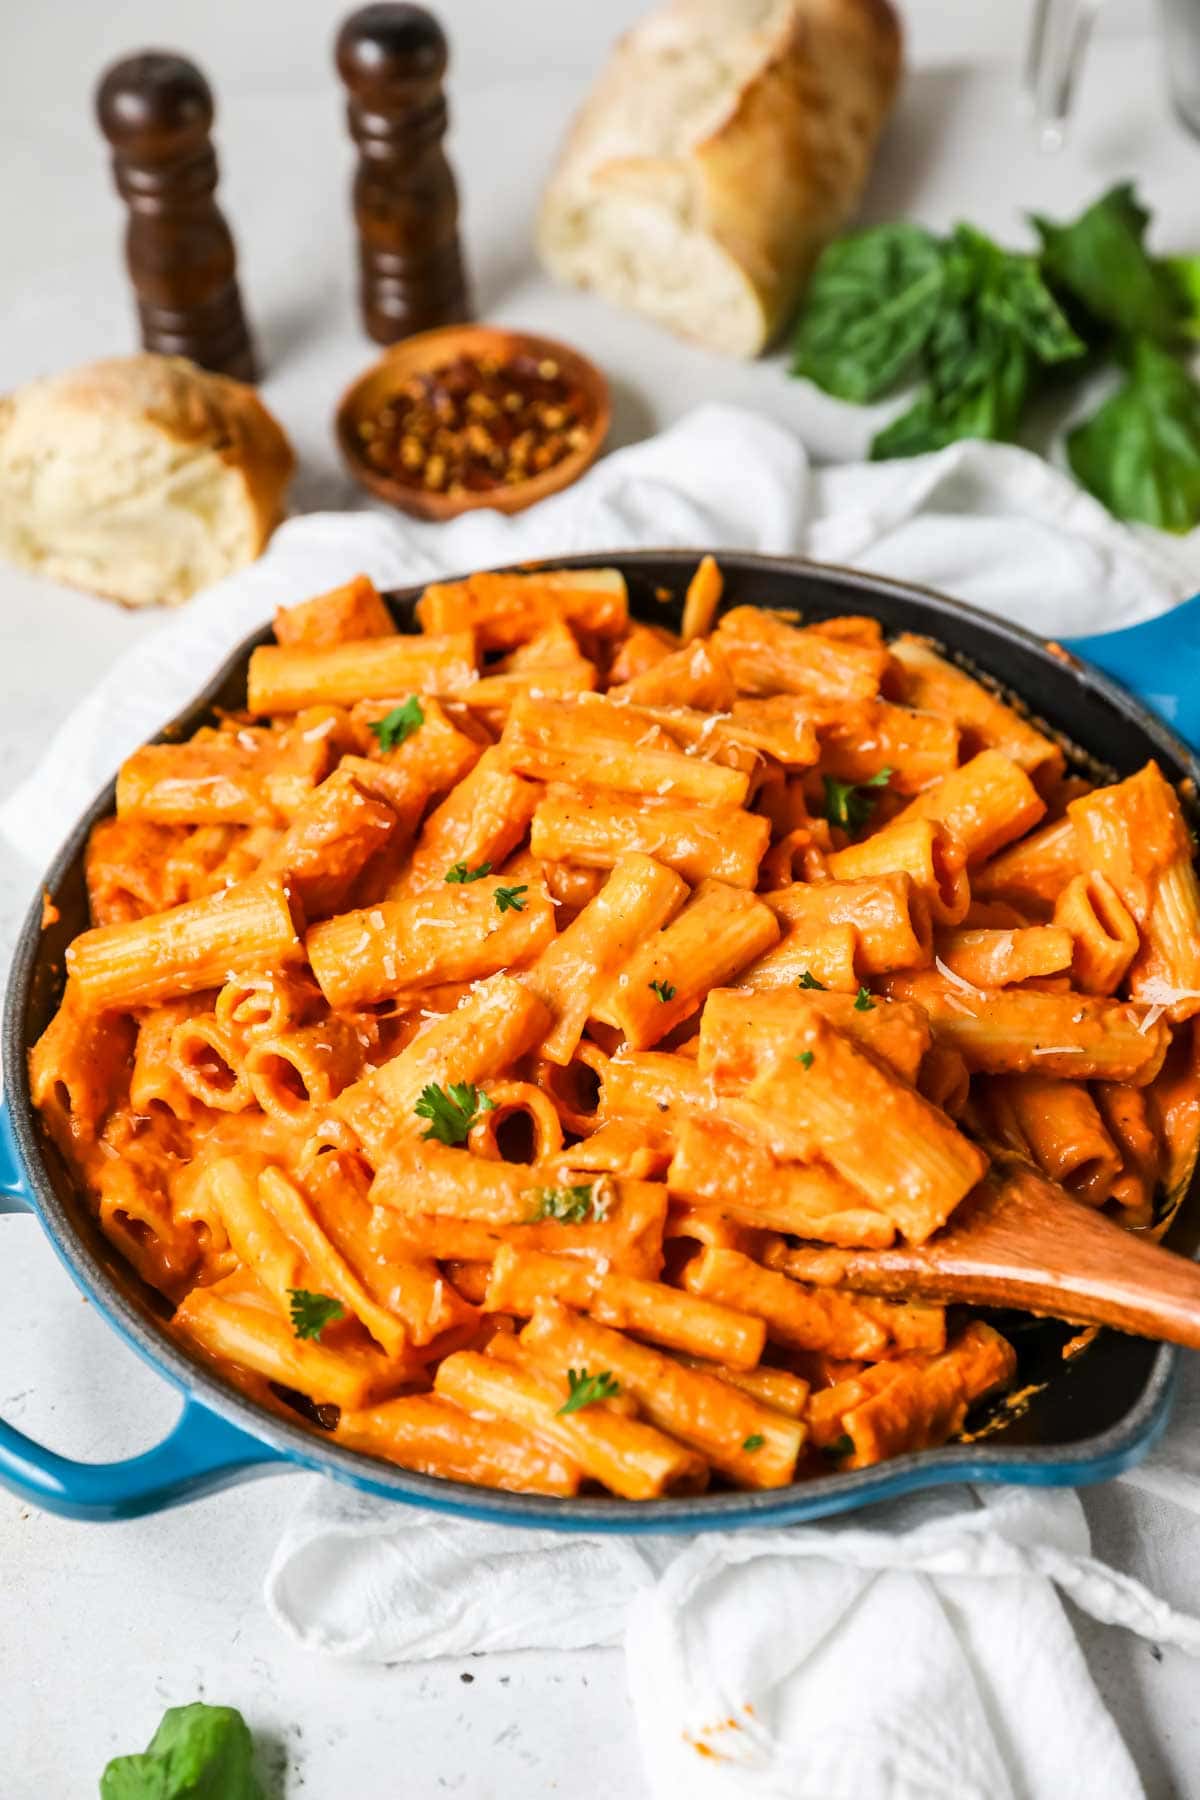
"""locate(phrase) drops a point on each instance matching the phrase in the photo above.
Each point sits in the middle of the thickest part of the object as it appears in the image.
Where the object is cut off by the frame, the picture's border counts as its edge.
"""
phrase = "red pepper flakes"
(478, 423)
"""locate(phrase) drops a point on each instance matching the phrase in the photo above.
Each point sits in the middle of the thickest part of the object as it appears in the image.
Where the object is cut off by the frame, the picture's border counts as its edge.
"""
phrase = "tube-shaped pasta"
(718, 932)
(912, 1164)
(435, 757)
(267, 1004)
(628, 1239)
(1135, 834)
(78, 1069)
(1064, 1130)
(293, 1072)
(586, 825)
(1032, 874)
(499, 1023)
(520, 1111)
(432, 1437)
(1104, 936)
(331, 839)
(751, 1443)
(1130, 1124)
(462, 933)
(407, 1284)
(889, 915)
(591, 739)
(208, 1062)
(911, 1403)
(696, 675)
(702, 599)
(480, 822)
(233, 1323)
(945, 1080)
(652, 1310)
(154, 1085)
(450, 1183)
(730, 1169)
(577, 966)
(253, 778)
(505, 610)
(914, 747)
(769, 656)
(625, 1455)
(985, 804)
(922, 849)
(1017, 1031)
(163, 956)
(779, 1389)
(990, 958)
(741, 1035)
(826, 953)
(574, 1087)
(284, 678)
(802, 1318)
(987, 723)
(344, 615)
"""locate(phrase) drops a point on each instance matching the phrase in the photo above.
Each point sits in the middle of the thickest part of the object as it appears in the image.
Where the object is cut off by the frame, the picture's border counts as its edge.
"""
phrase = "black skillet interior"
(1107, 1388)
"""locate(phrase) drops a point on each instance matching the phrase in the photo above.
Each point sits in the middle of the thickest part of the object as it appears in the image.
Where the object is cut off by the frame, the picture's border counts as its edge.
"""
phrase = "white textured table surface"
(100, 1628)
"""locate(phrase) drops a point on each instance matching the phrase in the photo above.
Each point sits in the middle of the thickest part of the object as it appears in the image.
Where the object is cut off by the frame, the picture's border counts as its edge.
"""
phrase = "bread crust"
(196, 414)
(773, 172)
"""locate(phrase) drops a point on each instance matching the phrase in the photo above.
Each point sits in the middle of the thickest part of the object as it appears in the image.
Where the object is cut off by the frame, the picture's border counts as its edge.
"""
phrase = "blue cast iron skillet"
(1095, 1415)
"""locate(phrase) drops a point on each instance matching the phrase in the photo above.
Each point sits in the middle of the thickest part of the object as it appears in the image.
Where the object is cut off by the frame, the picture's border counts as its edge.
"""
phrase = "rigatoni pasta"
(498, 1041)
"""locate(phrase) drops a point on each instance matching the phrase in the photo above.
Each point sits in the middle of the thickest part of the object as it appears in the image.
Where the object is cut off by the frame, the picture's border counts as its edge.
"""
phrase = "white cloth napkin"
(920, 1650)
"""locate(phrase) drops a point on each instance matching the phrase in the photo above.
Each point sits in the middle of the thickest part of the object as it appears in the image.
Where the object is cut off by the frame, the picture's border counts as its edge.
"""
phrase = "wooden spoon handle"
(1020, 1241)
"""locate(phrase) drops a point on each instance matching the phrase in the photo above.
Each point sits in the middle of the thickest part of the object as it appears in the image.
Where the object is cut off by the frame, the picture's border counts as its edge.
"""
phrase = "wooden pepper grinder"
(156, 110)
(392, 59)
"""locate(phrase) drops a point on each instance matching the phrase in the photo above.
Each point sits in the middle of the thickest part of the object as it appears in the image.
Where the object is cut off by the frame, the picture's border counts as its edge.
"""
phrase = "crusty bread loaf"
(724, 145)
(142, 478)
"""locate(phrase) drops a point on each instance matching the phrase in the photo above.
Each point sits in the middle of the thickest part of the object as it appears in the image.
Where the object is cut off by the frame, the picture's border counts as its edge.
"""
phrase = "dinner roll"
(142, 478)
(725, 144)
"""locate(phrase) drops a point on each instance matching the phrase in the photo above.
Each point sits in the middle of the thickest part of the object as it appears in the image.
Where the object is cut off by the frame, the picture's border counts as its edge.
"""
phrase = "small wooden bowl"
(432, 350)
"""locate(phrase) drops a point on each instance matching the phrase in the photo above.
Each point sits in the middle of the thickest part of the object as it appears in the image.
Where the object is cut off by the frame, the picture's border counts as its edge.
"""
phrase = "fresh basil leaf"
(1184, 272)
(198, 1753)
(1101, 259)
(998, 318)
(987, 404)
(1140, 453)
(872, 302)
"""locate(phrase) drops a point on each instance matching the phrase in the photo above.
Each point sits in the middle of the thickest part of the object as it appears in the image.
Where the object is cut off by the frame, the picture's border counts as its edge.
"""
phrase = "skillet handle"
(1159, 661)
(200, 1454)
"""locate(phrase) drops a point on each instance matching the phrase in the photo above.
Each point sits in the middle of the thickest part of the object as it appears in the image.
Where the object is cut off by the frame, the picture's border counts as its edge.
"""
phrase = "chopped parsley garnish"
(805, 1059)
(399, 724)
(809, 980)
(311, 1313)
(587, 1389)
(572, 1205)
(841, 1446)
(664, 990)
(863, 1001)
(848, 803)
(509, 899)
(459, 872)
(755, 1441)
(451, 1112)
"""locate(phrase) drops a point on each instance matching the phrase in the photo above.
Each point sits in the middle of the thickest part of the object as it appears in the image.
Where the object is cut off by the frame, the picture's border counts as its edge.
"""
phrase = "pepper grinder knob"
(392, 59)
(156, 110)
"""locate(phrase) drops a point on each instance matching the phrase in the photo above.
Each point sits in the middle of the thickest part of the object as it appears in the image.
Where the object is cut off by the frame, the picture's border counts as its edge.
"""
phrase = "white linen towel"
(920, 1650)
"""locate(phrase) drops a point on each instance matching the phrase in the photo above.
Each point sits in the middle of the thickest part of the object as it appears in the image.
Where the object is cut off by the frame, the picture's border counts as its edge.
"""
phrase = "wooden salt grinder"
(392, 59)
(156, 110)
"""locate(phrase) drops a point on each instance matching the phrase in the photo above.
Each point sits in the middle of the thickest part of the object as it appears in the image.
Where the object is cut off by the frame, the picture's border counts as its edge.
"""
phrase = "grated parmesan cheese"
(958, 981)
(1058, 1050)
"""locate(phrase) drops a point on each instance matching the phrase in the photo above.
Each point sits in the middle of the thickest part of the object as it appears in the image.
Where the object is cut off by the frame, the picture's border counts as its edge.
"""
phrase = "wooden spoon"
(1020, 1240)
